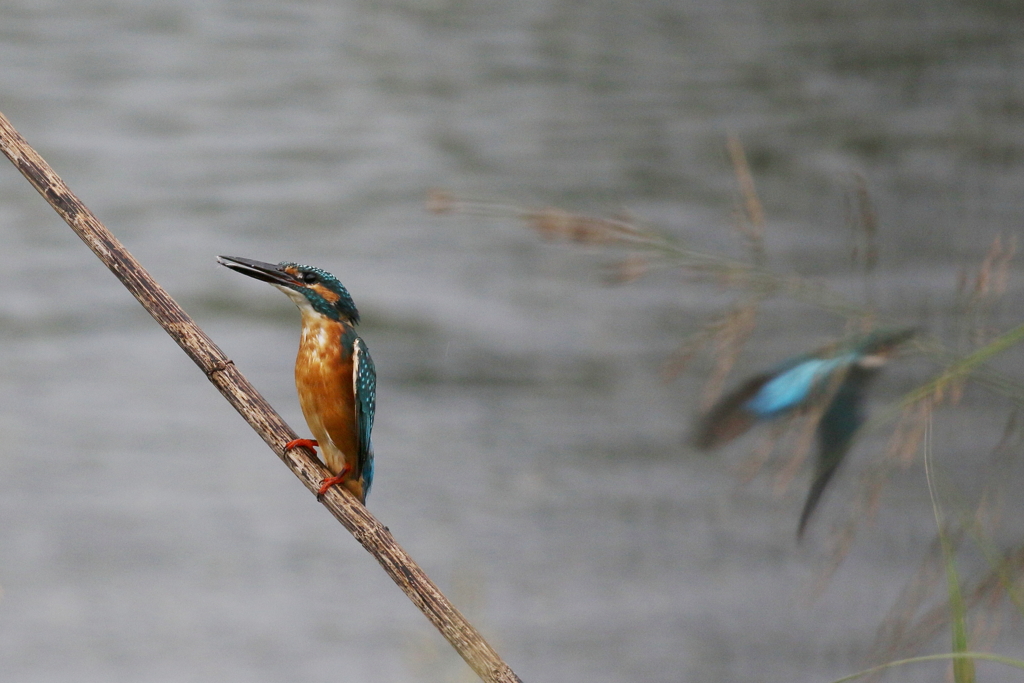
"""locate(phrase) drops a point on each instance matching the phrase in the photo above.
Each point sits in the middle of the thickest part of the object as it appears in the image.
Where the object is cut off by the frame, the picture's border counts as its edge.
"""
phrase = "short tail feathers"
(367, 474)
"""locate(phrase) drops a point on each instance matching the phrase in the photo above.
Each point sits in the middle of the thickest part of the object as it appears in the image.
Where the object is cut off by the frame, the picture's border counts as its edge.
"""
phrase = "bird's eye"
(310, 278)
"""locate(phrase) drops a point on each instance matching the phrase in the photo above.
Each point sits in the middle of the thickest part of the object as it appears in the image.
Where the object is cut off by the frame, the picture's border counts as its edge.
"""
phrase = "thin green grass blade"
(963, 667)
(963, 367)
(1001, 563)
(955, 656)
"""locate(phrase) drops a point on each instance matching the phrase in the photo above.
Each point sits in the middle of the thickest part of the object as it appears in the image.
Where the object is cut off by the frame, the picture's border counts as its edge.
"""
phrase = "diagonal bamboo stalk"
(220, 370)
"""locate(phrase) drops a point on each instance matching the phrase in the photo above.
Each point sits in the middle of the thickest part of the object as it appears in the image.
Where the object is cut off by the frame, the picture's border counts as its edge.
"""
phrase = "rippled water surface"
(530, 453)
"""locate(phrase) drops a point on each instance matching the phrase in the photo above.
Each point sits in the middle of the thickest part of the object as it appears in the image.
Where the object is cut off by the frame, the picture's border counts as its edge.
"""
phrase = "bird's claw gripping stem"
(331, 481)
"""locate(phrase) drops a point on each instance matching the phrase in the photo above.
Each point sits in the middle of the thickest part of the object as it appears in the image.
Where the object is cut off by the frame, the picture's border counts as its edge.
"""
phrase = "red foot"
(308, 443)
(331, 481)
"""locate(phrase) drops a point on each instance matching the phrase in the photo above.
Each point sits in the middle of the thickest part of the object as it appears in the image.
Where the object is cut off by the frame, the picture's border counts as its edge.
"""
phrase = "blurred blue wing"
(365, 381)
(793, 386)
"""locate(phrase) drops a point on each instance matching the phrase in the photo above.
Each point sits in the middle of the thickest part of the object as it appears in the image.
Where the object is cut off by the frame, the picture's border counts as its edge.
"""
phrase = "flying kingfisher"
(836, 374)
(334, 373)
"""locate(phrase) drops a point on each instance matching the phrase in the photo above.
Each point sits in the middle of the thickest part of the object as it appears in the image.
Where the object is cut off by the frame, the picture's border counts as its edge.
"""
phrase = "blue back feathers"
(790, 387)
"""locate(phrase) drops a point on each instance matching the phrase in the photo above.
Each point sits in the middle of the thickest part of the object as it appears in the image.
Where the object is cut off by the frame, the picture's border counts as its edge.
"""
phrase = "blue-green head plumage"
(342, 307)
(323, 292)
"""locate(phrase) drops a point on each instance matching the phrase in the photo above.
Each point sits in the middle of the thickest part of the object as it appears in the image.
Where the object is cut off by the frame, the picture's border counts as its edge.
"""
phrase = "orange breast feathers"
(323, 378)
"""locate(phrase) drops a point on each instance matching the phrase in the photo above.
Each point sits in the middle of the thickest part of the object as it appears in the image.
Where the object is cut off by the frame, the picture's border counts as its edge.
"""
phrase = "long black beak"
(268, 272)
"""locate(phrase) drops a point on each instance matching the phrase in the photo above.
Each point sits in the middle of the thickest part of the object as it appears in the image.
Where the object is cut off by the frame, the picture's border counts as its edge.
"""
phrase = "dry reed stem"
(751, 222)
(681, 357)
(798, 451)
(727, 331)
(220, 370)
(862, 511)
(756, 460)
(866, 221)
(841, 542)
(979, 295)
(629, 269)
(730, 334)
(897, 629)
(870, 500)
(909, 432)
(554, 223)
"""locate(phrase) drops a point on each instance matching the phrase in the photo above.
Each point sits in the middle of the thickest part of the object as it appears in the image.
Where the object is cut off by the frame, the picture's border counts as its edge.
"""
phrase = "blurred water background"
(530, 454)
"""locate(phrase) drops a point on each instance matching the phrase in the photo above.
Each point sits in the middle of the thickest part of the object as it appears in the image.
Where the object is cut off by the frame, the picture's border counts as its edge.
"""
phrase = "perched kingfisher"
(838, 374)
(334, 373)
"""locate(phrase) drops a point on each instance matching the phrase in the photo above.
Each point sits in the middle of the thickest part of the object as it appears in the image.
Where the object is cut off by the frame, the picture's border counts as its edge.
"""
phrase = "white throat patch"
(299, 299)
